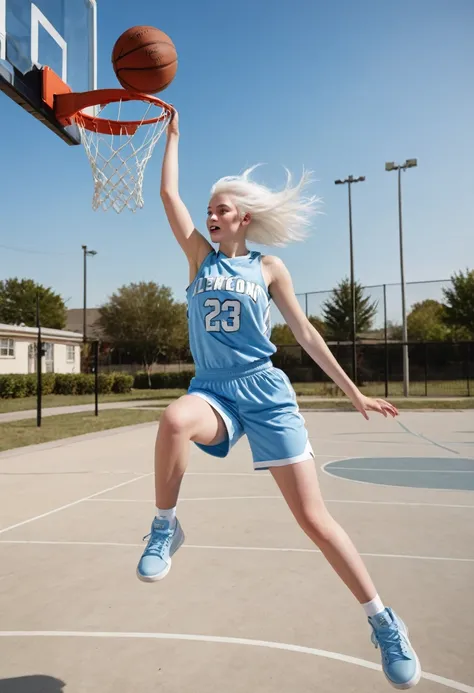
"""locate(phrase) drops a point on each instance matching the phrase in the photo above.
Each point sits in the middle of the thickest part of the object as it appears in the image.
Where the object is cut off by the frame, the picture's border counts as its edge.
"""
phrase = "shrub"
(47, 383)
(106, 381)
(161, 381)
(123, 382)
(12, 385)
(85, 384)
(65, 384)
(30, 385)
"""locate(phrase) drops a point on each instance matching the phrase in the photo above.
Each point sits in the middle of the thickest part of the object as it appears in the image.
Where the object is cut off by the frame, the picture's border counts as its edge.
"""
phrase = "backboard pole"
(93, 40)
(3, 29)
(93, 110)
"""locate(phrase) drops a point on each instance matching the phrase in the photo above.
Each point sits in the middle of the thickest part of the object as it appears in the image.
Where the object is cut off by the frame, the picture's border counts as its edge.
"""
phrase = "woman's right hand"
(173, 126)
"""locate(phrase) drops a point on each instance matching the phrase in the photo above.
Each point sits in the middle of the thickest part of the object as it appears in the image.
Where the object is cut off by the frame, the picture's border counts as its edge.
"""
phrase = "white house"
(18, 350)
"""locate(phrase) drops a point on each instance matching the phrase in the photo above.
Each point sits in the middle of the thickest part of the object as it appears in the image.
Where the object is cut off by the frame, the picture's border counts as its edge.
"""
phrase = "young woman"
(236, 390)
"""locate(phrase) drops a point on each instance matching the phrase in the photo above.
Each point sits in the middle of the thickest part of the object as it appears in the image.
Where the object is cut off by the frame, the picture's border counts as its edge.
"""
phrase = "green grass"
(17, 434)
(448, 388)
(465, 403)
(436, 388)
(23, 403)
(345, 405)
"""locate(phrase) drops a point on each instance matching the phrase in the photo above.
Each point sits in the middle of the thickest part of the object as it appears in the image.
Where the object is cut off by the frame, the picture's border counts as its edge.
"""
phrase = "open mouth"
(213, 229)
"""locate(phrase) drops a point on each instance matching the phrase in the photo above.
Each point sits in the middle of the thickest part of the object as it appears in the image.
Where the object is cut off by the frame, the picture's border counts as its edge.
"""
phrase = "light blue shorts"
(257, 401)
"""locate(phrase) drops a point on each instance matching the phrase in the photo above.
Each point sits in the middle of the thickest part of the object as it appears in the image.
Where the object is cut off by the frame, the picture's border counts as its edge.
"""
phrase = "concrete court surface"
(250, 604)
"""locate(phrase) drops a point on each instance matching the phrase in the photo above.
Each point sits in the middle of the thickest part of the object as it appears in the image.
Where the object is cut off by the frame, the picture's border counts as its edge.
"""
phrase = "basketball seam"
(124, 82)
(137, 69)
(137, 48)
(132, 88)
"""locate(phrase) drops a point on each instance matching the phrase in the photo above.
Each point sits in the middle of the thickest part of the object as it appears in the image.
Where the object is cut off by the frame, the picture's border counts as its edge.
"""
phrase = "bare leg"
(300, 487)
(190, 418)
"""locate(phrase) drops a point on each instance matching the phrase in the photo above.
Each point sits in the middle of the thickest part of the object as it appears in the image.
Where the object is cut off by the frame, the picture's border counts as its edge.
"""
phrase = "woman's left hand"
(365, 404)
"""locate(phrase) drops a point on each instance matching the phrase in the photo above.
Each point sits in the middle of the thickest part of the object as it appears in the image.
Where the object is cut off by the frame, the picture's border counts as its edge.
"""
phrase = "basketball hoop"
(118, 150)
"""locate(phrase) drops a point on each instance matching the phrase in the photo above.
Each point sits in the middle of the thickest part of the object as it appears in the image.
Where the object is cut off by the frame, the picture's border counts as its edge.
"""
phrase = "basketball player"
(236, 390)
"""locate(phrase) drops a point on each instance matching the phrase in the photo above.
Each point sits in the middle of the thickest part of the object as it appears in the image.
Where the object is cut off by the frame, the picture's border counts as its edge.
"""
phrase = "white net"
(118, 161)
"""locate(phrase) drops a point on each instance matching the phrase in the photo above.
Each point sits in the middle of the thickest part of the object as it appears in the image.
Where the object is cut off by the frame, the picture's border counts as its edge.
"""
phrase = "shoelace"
(392, 643)
(158, 543)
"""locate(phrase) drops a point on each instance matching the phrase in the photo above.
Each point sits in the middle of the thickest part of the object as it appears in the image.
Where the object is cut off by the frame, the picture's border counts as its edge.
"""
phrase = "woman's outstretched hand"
(365, 404)
(173, 125)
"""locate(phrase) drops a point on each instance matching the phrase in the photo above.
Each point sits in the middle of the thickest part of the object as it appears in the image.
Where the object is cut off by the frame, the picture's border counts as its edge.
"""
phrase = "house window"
(49, 356)
(70, 353)
(7, 348)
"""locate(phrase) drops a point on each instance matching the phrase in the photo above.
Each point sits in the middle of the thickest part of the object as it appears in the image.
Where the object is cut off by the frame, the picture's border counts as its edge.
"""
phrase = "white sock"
(374, 607)
(169, 515)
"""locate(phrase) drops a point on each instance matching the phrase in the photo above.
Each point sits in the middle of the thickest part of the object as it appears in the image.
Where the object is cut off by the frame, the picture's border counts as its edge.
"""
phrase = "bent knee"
(317, 525)
(178, 419)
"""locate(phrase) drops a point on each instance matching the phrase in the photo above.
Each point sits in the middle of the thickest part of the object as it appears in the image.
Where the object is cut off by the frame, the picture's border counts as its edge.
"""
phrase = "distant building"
(18, 350)
(75, 322)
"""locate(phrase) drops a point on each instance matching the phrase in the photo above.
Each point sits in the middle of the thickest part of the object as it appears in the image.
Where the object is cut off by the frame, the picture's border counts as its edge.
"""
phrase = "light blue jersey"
(229, 335)
(229, 312)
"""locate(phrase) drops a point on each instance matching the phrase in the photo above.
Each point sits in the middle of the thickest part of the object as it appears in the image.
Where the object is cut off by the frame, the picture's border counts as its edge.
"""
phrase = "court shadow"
(37, 683)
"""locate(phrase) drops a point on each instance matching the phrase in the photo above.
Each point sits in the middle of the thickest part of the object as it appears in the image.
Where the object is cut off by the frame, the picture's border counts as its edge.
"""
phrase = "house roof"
(23, 331)
(74, 321)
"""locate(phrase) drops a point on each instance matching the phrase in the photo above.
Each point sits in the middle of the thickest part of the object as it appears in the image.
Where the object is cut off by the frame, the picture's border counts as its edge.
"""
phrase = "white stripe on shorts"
(306, 454)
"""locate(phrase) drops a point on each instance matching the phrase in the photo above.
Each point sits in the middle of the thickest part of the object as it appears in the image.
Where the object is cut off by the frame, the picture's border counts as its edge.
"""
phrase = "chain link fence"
(435, 368)
(387, 300)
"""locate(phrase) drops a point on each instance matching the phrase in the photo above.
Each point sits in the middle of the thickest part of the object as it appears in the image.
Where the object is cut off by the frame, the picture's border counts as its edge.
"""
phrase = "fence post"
(306, 304)
(39, 364)
(385, 336)
(96, 369)
(426, 369)
(468, 358)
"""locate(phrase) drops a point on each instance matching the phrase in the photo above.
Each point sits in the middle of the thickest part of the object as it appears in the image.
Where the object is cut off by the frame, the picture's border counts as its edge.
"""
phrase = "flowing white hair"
(277, 217)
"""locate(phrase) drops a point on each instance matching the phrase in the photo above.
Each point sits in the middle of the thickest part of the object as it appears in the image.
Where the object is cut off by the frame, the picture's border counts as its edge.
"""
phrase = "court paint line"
(423, 437)
(274, 549)
(72, 473)
(337, 656)
(182, 500)
(408, 471)
(379, 484)
(70, 505)
(259, 472)
(326, 500)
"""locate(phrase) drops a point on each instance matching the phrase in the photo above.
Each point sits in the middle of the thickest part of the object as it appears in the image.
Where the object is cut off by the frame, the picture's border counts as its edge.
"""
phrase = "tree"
(425, 322)
(318, 324)
(337, 311)
(18, 304)
(459, 304)
(146, 321)
(282, 335)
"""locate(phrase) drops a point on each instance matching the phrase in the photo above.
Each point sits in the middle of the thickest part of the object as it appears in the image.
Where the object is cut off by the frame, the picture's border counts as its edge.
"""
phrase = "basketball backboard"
(60, 34)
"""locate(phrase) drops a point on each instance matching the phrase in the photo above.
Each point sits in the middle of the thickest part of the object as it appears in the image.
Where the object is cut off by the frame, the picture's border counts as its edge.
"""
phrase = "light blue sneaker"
(400, 663)
(163, 542)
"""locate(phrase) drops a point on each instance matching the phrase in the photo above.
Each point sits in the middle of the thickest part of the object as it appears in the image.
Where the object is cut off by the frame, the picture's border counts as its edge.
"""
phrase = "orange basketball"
(144, 59)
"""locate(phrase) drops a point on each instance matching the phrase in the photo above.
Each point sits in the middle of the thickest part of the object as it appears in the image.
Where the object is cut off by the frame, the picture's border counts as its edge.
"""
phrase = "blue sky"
(338, 88)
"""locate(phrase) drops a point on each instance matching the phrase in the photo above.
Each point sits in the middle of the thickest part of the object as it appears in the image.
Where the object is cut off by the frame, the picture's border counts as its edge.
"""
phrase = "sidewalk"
(78, 408)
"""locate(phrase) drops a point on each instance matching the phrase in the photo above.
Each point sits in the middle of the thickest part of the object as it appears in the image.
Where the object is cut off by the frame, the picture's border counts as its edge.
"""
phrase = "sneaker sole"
(164, 573)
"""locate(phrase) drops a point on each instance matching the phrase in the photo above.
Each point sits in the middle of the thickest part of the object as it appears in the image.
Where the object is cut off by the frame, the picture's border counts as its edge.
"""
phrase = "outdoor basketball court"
(249, 603)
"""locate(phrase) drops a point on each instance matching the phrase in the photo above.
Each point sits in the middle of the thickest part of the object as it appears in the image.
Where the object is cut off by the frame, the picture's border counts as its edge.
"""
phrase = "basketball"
(144, 59)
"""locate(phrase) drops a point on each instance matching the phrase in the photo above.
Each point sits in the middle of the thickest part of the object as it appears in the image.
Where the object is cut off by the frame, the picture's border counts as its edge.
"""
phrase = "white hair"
(277, 217)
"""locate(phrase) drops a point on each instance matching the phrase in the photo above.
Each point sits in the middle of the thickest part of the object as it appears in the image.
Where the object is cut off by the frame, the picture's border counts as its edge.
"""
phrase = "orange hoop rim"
(69, 106)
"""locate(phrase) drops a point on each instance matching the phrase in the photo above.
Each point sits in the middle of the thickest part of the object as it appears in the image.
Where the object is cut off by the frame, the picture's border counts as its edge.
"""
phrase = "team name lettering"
(238, 286)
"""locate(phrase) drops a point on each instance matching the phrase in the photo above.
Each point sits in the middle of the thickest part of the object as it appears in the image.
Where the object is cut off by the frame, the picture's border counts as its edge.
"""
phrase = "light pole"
(349, 182)
(84, 321)
(391, 166)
